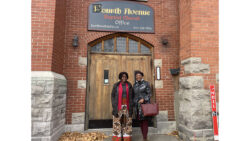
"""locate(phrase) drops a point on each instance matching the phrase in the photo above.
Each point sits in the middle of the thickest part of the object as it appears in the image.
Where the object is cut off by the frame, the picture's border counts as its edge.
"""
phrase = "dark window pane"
(145, 49)
(106, 76)
(109, 45)
(121, 44)
(97, 48)
(133, 46)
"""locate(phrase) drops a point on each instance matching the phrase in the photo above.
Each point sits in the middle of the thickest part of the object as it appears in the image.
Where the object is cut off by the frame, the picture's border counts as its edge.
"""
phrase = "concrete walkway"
(153, 137)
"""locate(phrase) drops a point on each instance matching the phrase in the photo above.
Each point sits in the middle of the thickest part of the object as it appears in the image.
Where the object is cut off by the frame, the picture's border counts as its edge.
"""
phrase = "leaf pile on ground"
(75, 136)
(174, 133)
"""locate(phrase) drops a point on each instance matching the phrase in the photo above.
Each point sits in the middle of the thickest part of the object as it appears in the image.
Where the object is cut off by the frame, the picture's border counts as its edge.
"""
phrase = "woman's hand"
(141, 101)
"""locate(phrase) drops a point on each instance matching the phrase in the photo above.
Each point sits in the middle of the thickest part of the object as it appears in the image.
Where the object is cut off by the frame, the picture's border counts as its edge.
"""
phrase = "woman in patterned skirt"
(122, 103)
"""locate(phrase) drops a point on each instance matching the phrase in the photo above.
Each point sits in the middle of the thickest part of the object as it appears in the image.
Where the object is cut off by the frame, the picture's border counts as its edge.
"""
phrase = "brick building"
(70, 90)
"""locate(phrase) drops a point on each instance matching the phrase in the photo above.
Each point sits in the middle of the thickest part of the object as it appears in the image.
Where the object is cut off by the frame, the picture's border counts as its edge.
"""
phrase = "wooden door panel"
(100, 106)
(134, 63)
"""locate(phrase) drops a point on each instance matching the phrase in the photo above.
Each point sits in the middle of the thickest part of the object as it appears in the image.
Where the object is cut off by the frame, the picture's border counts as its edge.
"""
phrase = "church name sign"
(120, 16)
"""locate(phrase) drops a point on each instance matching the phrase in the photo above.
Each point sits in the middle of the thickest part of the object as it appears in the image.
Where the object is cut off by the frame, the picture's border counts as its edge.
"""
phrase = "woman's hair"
(121, 74)
(139, 73)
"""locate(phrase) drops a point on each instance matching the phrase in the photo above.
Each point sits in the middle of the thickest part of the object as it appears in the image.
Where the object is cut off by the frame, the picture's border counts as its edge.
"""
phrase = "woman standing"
(122, 103)
(142, 94)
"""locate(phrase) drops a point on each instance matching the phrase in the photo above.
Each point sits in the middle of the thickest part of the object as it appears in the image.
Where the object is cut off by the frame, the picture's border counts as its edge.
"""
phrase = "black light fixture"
(164, 40)
(75, 41)
(175, 71)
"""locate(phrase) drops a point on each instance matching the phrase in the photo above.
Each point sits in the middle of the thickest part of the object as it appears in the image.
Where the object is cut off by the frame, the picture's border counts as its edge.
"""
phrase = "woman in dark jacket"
(142, 95)
(122, 103)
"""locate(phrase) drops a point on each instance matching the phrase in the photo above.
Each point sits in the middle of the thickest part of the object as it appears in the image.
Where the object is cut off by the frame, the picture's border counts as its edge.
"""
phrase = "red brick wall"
(199, 36)
(48, 33)
(166, 24)
(43, 14)
(59, 36)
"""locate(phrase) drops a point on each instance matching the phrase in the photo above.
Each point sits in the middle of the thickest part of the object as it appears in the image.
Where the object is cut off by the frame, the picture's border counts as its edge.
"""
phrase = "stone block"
(57, 133)
(191, 82)
(194, 94)
(58, 125)
(195, 135)
(191, 60)
(166, 127)
(158, 62)
(36, 139)
(195, 108)
(62, 89)
(58, 100)
(41, 114)
(81, 84)
(41, 128)
(41, 83)
(158, 83)
(54, 137)
(196, 68)
(195, 114)
(78, 118)
(162, 116)
(217, 78)
(46, 75)
(82, 61)
(36, 90)
(49, 87)
(74, 128)
(42, 101)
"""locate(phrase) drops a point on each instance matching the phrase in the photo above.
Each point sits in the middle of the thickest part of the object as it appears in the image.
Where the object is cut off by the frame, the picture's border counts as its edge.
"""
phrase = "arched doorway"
(107, 57)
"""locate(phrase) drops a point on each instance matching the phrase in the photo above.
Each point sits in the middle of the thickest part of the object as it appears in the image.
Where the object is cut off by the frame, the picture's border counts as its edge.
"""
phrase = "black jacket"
(115, 96)
(142, 90)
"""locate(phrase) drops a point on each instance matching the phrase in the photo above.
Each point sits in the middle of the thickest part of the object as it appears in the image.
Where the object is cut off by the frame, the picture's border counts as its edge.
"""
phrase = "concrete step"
(152, 137)
(162, 128)
(135, 131)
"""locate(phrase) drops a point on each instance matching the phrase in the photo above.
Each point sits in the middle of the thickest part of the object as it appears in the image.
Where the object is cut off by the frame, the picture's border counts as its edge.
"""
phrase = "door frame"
(91, 44)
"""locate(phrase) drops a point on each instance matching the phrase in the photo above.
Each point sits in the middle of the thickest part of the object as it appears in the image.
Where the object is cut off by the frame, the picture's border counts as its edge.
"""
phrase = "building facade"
(74, 67)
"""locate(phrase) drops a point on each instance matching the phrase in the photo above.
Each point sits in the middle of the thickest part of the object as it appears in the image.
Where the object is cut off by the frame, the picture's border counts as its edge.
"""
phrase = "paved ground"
(154, 137)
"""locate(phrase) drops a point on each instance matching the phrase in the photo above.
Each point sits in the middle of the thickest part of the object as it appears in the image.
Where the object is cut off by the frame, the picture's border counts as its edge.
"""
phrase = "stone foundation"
(48, 105)
(195, 116)
(77, 123)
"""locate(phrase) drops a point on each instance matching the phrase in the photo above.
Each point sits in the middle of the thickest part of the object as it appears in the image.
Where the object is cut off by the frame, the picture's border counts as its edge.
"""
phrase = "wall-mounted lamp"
(175, 71)
(75, 41)
(158, 73)
(164, 40)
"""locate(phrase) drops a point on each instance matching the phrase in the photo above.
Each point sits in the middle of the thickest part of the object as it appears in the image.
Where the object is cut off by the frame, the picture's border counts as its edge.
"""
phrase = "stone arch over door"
(107, 56)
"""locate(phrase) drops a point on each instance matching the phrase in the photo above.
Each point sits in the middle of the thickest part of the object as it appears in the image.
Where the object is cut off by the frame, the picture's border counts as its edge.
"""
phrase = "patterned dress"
(122, 124)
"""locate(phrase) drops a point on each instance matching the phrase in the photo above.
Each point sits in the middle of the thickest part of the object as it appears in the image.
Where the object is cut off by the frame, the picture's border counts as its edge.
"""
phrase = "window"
(97, 48)
(106, 76)
(121, 43)
(133, 46)
(109, 45)
(144, 49)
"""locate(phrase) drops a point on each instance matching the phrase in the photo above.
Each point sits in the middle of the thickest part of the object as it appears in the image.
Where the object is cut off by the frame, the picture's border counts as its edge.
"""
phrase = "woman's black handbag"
(150, 109)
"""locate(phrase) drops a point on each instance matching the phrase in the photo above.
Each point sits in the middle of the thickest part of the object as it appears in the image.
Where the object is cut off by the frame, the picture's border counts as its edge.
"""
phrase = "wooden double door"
(103, 72)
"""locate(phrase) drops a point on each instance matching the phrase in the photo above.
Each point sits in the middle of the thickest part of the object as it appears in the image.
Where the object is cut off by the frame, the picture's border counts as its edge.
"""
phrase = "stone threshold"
(163, 128)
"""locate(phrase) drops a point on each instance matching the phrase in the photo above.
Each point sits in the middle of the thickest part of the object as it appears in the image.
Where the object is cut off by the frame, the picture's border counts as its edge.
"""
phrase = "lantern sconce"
(164, 41)
(75, 41)
(158, 73)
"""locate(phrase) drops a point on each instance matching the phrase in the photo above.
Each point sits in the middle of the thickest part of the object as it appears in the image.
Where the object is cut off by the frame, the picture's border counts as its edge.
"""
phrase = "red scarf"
(120, 96)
